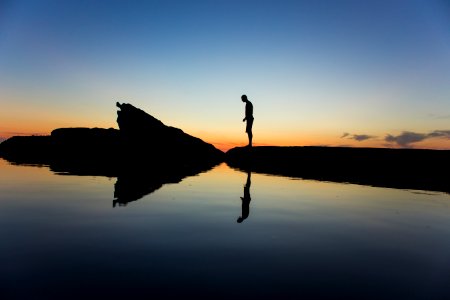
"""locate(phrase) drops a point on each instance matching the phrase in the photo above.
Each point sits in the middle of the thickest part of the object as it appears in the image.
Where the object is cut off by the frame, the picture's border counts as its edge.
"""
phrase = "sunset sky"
(355, 73)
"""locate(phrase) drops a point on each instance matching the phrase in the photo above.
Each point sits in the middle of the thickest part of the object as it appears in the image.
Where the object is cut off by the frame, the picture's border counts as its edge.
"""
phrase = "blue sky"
(314, 70)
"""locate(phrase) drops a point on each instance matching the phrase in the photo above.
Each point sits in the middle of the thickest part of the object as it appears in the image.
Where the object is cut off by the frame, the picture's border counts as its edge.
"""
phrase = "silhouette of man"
(246, 199)
(248, 118)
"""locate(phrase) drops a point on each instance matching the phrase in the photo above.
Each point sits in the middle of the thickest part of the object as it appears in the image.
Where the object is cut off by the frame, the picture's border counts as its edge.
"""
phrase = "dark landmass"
(141, 141)
(145, 136)
(392, 168)
(145, 154)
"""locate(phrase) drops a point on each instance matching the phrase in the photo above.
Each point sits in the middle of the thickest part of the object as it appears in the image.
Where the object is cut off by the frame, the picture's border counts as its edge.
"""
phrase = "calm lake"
(220, 234)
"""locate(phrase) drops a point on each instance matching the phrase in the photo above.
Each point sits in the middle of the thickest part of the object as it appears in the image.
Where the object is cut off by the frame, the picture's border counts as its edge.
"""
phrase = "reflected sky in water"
(62, 237)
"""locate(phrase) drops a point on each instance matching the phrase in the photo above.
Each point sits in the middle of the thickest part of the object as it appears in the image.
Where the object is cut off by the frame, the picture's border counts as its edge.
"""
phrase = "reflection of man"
(246, 199)
(248, 118)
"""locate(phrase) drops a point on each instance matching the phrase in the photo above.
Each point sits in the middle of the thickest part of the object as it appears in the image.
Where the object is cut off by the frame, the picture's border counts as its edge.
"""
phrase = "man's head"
(244, 98)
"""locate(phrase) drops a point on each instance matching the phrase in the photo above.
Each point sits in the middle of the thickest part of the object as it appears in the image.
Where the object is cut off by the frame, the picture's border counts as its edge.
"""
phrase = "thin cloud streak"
(362, 137)
(357, 137)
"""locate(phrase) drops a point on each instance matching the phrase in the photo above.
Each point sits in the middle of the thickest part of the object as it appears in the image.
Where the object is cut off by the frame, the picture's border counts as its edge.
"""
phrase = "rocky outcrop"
(145, 135)
(142, 141)
(395, 168)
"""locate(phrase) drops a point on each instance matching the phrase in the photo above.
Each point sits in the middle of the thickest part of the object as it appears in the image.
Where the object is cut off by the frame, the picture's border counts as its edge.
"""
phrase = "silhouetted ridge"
(146, 135)
(135, 121)
(141, 141)
(27, 149)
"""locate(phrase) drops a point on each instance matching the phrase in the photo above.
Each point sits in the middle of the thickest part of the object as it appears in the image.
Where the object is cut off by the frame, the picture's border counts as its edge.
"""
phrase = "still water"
(219, 234)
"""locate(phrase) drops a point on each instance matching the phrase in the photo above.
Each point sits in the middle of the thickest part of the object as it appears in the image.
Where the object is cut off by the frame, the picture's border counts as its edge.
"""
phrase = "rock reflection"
(133, 186)
(133, 181)
(130, 188)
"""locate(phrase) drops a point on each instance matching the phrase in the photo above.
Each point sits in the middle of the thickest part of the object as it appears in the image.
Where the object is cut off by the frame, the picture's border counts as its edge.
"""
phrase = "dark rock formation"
(141, 141)
(395, 168)
(144, 135)
(27, 149)
(133, 121)
(82, 150)
(144, 154)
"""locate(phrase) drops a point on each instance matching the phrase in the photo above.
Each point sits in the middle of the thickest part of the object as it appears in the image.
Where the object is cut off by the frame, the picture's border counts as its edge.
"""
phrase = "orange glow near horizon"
(223, 140)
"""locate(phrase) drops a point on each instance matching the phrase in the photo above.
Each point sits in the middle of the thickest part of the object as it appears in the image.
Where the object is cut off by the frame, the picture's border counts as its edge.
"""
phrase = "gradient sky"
(358, 73)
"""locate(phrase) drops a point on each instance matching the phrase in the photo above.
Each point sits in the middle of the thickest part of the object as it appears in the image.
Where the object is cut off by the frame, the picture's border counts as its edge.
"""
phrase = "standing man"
(248, 118)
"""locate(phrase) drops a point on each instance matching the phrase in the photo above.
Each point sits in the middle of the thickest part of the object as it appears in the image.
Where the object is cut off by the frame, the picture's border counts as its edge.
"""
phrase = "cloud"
(406, 138)
(362, 137)
(357, 137)
(440, 133)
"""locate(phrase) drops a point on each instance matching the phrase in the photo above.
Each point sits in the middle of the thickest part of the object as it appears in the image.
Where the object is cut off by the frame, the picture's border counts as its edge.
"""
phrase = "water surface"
(61, 237)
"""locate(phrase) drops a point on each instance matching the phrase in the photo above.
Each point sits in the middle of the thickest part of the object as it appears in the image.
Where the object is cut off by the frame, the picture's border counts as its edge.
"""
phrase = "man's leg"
(249, 131)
